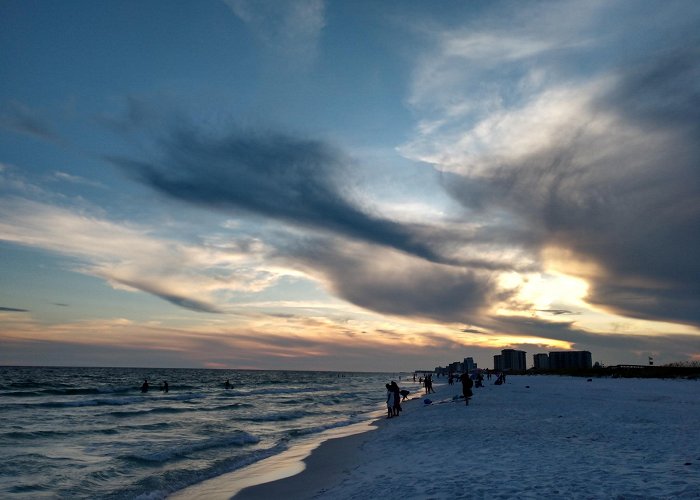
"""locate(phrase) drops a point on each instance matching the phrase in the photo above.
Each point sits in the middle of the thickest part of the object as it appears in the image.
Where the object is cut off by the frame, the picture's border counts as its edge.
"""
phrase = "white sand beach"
(534, 437)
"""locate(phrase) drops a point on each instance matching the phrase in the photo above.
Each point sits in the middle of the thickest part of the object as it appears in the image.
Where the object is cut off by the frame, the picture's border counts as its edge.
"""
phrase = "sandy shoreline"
(326, 466)
(533, 437)
(300, 472)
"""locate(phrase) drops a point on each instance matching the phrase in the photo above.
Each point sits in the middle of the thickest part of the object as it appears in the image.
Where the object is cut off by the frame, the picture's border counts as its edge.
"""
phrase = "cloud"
(390, 282)
(21, 118)
(598, 169)
(612, 190)
(12, 309)
(75, 179)
(290, 29)
(130, 257)
(557, 312)
(297, 181)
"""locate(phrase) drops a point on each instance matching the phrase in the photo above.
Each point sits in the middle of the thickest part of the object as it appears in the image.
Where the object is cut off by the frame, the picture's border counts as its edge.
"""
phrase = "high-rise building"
(541, 361)
(511, 360)
(570, 359)
(469, 364)
(498, 363)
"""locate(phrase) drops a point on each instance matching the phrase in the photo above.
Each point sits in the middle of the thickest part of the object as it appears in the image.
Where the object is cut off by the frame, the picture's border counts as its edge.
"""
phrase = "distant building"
(570, 359)
(510, 360)
(455, 367)
(541, 361)
(469, 364)
(498, 363)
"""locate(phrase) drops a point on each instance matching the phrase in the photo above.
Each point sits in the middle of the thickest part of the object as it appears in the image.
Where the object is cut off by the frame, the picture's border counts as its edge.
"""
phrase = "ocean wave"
(160, 486)
(239, 438)
(161, 410)
(21, 394)
(232, 406)
(57, 390)
(86, 402)
(320, 428)
(279, 417)
(295, 390)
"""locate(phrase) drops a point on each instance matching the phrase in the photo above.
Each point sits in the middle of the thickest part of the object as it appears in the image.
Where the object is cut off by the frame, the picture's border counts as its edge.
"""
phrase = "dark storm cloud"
(664, 90)
(627, 199)
(273, 175)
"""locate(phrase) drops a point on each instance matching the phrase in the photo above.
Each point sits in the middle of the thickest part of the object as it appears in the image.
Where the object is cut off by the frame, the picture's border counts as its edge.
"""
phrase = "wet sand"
(300, 472)
(327, 465)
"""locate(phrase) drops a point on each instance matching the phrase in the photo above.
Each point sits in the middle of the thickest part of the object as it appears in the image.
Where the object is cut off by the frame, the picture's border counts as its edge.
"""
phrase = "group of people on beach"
(393, 399)
(427, 382)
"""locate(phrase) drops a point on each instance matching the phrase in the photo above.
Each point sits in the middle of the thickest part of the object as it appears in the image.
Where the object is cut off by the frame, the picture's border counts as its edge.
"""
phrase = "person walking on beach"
(467, 384)
(144, 387)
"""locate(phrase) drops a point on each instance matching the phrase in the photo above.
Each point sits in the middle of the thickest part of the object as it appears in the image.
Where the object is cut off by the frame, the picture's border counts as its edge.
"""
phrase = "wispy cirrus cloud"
(291, 29)
(131, 257)
(19, 117)
(13, 309)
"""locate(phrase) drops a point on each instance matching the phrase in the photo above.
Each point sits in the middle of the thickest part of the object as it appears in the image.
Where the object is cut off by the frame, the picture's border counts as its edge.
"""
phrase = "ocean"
(92, 433)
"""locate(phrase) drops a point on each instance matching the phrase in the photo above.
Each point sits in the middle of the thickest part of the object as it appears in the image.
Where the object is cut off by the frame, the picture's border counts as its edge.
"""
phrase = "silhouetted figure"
(404, 394)
(429, 384)
(389, 401)
(467, 384)
(397, 398)
(227, 385)
(165, 386)
(144, 387)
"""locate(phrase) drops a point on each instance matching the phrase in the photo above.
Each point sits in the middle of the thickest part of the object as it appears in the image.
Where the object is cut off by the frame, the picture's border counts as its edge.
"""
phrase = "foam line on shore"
(289, 466)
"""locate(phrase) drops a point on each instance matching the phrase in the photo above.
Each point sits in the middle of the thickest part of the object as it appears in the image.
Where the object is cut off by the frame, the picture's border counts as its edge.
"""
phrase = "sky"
(363, 186)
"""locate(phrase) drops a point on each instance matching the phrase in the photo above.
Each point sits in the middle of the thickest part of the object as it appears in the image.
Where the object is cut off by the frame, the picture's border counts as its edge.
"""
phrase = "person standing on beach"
(397, 397)
(389, 401)
(467, 384)
(429, 384)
